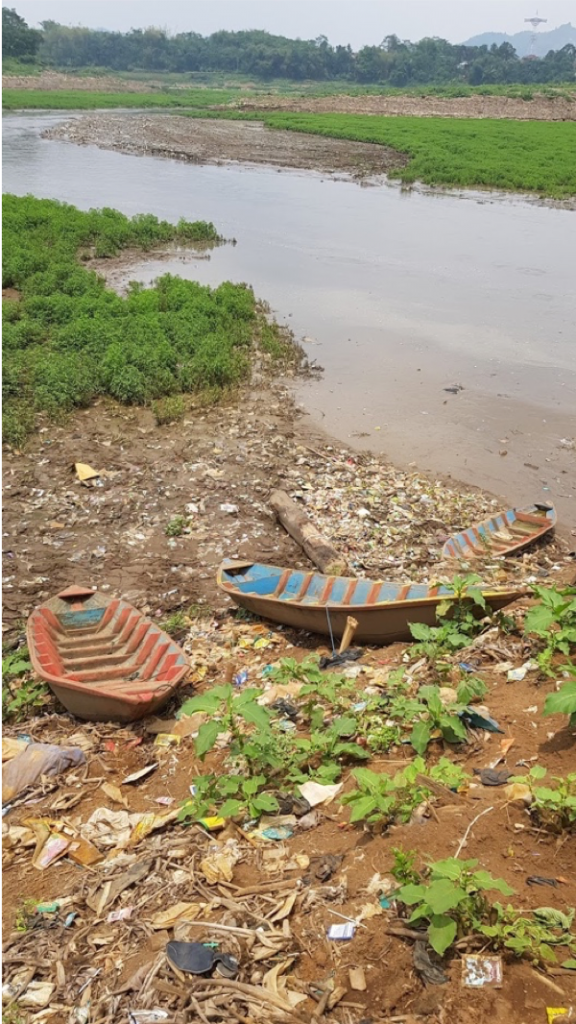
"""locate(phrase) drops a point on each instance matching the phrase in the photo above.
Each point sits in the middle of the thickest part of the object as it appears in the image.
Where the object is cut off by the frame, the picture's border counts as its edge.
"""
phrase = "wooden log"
(296, 523)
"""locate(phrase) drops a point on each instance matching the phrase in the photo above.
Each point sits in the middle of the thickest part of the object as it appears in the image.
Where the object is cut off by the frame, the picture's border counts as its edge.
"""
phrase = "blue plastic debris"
(241, 677)
(478, 721)
(282, 832)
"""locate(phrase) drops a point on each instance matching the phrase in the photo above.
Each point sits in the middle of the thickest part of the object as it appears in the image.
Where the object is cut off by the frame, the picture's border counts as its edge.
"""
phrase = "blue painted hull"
(320, 604)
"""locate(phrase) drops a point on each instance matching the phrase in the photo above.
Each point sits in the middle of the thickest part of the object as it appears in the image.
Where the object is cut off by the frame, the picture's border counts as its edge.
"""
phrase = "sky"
(358, 22)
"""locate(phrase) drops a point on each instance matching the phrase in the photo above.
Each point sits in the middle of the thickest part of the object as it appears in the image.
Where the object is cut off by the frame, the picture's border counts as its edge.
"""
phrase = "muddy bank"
(215, 470)
(541, 108)
(217, 142)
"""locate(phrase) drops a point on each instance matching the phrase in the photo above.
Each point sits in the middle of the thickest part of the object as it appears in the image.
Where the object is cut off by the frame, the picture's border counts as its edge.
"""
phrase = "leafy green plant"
(176, 526)
(437, 719)
(451, 901)
(538, 938)
(470, 689)
(21, 695)
(554, 808)
(563, 702)
(553, 620)
(382, 799)
(403, 869)
(237, 713)
(229, 795)
(24, 914)
(449, 774)
(323, 752)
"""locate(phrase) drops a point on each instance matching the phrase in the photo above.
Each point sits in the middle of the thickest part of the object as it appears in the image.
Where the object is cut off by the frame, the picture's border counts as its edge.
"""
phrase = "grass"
(80, 99)
(68, 338)
(517, 156)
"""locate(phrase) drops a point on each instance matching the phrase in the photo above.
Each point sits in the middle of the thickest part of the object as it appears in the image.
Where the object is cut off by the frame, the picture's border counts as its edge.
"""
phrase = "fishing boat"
(322, 604)
(104, 660)
(502, 534)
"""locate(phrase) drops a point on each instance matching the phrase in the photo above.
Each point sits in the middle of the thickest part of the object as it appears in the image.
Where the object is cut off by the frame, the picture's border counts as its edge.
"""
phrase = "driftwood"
(296, 523)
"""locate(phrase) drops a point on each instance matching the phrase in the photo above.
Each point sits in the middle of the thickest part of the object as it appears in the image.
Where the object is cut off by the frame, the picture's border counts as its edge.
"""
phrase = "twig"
(467, 832)
(257, 995)
(198, 1009)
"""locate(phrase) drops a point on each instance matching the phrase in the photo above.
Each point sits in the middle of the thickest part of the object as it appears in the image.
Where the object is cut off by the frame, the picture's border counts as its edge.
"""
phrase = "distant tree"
(18, 40)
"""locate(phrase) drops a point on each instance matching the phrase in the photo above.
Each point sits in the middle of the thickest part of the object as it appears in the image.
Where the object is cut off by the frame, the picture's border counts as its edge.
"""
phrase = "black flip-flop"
(190, 957)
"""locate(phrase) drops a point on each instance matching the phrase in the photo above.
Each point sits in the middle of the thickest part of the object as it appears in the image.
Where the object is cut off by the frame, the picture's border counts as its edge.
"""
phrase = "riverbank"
(438, 152)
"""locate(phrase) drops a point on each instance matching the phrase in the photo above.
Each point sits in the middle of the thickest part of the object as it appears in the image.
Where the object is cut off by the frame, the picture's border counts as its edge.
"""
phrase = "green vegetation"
(553, 621)
(263, 56)
(68, 338)
(563, 702)
(553, 808)
(80, 99)
(451, 901)
(450, 898)
(22, 695)
(523, 156)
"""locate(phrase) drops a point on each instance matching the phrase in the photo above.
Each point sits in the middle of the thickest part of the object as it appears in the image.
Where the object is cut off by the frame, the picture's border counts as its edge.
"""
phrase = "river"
(400, 295)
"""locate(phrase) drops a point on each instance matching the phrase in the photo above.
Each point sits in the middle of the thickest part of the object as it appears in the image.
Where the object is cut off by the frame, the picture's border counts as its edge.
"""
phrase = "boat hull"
(102, 658)
(503, 534)
(292, 601)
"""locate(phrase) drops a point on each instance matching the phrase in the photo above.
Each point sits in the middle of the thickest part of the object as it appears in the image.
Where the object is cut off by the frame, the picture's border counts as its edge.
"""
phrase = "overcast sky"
(361, 22)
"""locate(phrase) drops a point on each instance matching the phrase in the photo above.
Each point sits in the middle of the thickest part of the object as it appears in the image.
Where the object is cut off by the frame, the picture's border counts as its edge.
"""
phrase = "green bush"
(69, 338)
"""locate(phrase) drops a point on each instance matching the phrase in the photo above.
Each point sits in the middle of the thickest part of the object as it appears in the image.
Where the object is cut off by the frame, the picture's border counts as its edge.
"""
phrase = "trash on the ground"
(114, 793)
(541, 880)
(190, 957)
(352, 654)
(472, 717)
(228, 507)
(340, 932)
(241, 677)
(105, 895)
(150, 823)
(124, 914)
(11, 747)
(35, 760)
(493, 776)
(213, 823)
(83, 852)
(560, 1015)
(141, 774)
(164, 801)
(218, 864)
(519, 792)
(480, 971)
(109, 829)
(357, 979)
(278, 833)
(308, 821)
(430, 972)
(168, 918)
(147, 1016)
(327, 866)
(50, 845)
(318, 794)
(167, 739)
(36, 996)
(85, 472)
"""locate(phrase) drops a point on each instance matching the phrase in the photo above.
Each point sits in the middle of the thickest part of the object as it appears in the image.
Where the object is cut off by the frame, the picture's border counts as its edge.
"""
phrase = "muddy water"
(399, 295)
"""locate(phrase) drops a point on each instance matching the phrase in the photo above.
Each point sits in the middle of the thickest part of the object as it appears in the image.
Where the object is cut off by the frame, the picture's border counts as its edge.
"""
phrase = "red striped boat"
(104, 660)
(322, 604)
(503, 534)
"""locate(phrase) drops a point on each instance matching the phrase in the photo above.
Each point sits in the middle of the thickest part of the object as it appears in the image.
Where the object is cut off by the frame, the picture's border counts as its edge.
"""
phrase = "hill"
(555, 39)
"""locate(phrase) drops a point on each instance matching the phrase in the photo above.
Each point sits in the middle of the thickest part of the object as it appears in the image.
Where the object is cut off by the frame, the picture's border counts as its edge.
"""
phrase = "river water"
(400, 295)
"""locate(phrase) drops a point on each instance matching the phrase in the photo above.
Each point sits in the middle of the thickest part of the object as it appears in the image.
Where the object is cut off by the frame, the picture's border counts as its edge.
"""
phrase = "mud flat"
(216, 142)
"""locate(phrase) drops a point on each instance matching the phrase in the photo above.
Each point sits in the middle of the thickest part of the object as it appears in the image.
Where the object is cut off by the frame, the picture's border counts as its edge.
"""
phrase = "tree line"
(395, 62)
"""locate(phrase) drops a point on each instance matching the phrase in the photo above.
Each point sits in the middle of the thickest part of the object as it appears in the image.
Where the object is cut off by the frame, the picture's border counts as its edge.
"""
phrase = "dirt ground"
(217, 142)
(56, 80)
(541, 108)
(216, 469)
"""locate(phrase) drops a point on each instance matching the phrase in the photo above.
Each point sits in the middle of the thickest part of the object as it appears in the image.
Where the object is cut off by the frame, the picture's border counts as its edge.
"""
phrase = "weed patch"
(69, 338)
